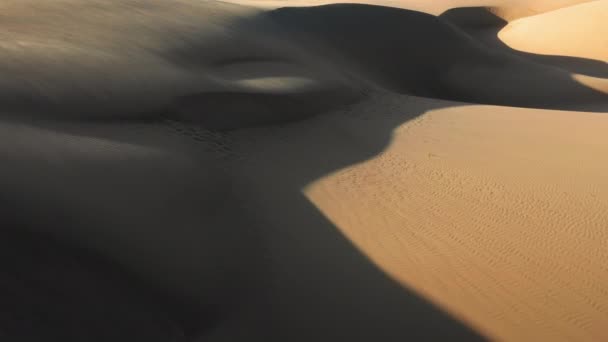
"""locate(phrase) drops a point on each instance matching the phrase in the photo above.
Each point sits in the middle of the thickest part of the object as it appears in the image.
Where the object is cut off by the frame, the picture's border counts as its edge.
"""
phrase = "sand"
(496, 214)
(575, 31)
(241, 171)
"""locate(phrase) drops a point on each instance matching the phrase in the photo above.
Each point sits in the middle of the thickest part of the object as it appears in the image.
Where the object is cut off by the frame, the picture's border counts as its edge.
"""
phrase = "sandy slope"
(495, 33)
(443, 62)
(273, 169)
(269, 60)
(577, 31)
(497, 214)
(154, 57)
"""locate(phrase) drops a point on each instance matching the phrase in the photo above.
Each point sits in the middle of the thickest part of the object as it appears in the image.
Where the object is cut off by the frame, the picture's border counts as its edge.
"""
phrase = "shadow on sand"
(279, 269)
(482, 24)
(419, 54)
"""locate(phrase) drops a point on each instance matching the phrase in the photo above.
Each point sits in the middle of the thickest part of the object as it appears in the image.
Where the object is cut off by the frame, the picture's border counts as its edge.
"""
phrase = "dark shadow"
(52, 291)
(483, 25)
(419, 54)
(231, 110)
(339, 293)
(204, 209)
(300, 280)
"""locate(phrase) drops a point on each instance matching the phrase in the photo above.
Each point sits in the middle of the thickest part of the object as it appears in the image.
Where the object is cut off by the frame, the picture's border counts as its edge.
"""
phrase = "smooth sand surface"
(576, 31)
(497, 214)
(226, 172)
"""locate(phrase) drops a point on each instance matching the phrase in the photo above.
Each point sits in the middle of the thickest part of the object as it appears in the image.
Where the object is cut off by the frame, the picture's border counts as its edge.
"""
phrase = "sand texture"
(303, 170)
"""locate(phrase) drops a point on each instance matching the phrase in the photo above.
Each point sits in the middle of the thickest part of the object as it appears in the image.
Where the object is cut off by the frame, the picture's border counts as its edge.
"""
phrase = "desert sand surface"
(303, 170)
(576, 31)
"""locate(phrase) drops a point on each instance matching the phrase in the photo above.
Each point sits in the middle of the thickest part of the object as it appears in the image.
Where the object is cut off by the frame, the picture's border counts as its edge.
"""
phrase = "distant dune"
(577, 31)
(508, 9)
(487, 27)
(515, 9)
(302, 170)
(421, 65)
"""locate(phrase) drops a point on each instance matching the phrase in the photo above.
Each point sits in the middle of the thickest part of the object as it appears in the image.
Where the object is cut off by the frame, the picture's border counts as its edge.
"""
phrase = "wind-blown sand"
(207, 171)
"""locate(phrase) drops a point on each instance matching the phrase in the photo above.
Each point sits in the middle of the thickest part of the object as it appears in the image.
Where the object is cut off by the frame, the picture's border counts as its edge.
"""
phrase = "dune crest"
(577, 31)
(507, 9)
(515, 9)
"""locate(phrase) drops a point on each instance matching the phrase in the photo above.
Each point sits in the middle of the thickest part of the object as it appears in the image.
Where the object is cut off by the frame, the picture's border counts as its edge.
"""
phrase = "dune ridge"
(577, 31)
(507, 9)
(469, 73)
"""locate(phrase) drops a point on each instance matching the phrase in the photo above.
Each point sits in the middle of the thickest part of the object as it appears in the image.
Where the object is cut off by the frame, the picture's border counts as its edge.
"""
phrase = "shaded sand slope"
(176, 64)
(575, 53)
(62, 59)
(578, 31)
(474, 19)
(509, 9)
(48, 289)
(485, 26)
(431, 7)
(431, 58)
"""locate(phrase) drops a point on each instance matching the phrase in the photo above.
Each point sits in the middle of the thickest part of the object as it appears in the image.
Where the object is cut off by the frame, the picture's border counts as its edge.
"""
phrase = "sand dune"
(487, 27)
(512, 10)
(495, 213)
(447, 205)
(469, 72)
(577, 31)
(246, 171)
(76, 66)
(508, 9)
